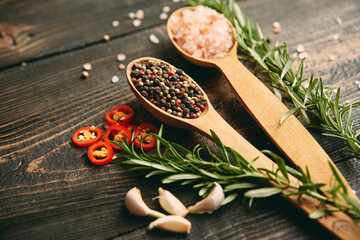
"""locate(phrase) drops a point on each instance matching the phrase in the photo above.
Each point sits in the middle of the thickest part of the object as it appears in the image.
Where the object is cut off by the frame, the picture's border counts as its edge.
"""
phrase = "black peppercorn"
(168, 88)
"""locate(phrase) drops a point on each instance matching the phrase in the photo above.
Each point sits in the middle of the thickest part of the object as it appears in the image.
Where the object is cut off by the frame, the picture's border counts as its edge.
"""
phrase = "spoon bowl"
(160, 114)
(210, 119)
(196, 60)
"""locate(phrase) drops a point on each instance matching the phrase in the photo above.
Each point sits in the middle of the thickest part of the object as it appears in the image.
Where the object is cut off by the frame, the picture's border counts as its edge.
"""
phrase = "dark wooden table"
(48, 187)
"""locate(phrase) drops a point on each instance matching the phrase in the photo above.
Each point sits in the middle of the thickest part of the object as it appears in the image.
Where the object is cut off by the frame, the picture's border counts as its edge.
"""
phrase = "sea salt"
(336, 36)
(115, 23)
(276, 27)
(166, 9)
(85, 74)
(131, 15)
(300, 48)
(115, 79)
(163, 16)
(202, 33)
(276, 24)
(121, 57)
(87, 66)
(106, 38)
(332, 57)
(154, 39)
(136, 22)
(139, 14)
(121, 66)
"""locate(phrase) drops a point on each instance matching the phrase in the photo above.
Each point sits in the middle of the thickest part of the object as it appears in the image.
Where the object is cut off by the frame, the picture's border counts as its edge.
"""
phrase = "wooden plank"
(34, 29)
(50, 190)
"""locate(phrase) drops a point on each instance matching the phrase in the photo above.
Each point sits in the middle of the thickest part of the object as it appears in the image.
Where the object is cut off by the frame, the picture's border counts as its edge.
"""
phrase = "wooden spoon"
(291, 137)
(339, 223)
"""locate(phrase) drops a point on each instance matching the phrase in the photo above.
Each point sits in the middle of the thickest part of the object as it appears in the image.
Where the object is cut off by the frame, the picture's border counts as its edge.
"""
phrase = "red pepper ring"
(98, 155)
(117, 131)
(141, 132)
(87, 136)
(131, 127)
(120, 115)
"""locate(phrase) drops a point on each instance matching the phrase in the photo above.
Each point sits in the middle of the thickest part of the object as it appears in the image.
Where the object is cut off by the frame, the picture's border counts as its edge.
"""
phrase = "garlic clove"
(210, 203)
(171, 223)
(136, 205)
(171, 204)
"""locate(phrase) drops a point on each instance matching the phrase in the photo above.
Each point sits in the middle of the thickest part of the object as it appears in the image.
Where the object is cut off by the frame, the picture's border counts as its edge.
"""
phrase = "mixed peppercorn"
(168, 88)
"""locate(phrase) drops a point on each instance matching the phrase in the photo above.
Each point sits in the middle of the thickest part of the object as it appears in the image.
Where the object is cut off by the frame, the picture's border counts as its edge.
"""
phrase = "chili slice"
(117, 132)
(131, 127)
(87, 136)
(100, 153)
(148, 142)
(120, 115)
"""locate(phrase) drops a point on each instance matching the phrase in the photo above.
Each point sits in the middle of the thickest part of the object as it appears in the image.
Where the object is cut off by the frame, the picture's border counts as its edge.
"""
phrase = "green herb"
(236, 175)
(316, 100)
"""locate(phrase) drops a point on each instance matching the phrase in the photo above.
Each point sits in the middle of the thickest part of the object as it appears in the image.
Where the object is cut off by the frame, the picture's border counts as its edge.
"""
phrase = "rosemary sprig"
(315, 100)
(238, 176)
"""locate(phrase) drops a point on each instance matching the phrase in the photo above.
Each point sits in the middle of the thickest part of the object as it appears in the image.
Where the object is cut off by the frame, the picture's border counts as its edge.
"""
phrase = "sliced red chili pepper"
(149, 142)
(100, 153)
(115, 133)
(87, 136)
(131, 127)
(120, 115)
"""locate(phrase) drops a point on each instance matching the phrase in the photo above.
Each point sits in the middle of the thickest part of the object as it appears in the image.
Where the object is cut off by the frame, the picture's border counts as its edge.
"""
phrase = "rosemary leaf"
(288, 114)
(229, 198)
(237, 186)
(263, 192)
(277, 62)
(202, 173)
(317, 214)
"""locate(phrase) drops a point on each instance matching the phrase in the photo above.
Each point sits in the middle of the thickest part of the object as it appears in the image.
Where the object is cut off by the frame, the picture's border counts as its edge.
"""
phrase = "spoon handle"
(291, 137)
(338, 223)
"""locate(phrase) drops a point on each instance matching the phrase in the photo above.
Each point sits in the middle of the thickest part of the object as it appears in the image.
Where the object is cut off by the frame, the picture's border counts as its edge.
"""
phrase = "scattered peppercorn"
(168, 88)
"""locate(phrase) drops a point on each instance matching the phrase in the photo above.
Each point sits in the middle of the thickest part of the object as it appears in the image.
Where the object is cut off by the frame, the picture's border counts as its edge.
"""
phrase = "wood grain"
(37, 29)
(48, 188)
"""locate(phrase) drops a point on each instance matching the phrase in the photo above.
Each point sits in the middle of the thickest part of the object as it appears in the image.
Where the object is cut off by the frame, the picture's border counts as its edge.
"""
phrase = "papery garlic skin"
(211, 202)
(171, 204)
(171, 223)
(136, 205)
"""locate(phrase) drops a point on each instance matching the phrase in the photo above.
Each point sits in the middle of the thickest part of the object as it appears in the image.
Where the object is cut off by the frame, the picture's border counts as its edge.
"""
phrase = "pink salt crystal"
(121, 66)
(163, 16)
(139, 14)
(202, 32)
